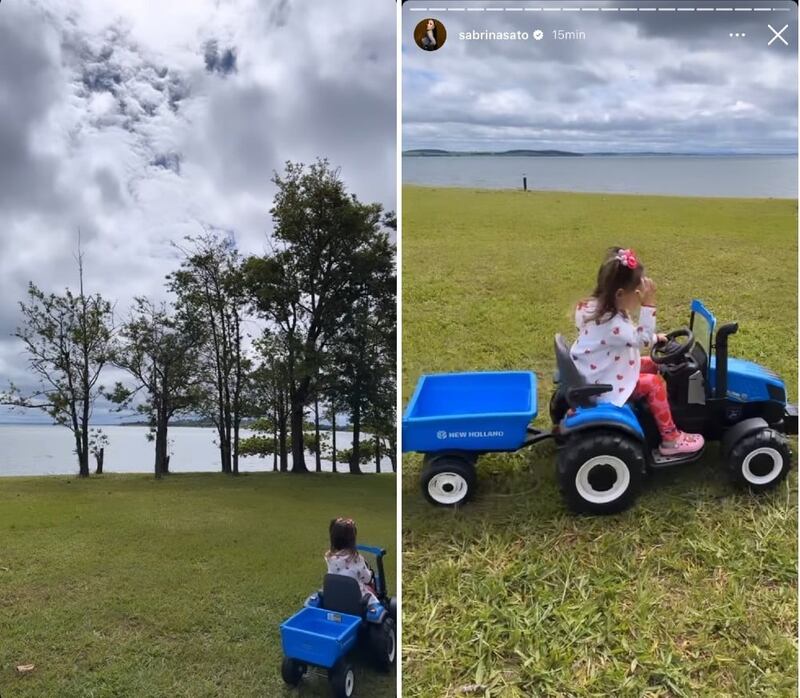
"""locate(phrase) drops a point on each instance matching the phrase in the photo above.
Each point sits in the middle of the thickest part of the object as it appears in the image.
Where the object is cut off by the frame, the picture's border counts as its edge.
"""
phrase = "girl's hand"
(661, 339)
(647, 291)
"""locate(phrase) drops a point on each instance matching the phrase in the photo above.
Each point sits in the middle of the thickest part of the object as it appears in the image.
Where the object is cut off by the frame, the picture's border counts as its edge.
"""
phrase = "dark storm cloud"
(140, 124)
(28, 86)
(671, 81)
(222, 62)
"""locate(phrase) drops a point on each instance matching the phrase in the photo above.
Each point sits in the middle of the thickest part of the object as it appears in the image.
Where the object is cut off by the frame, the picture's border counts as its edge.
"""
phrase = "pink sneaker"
(683, 443)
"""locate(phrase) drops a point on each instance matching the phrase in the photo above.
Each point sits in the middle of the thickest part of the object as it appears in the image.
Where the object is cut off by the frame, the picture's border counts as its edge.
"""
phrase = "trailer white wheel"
(448, 481)
(447, 488)
(349, 682)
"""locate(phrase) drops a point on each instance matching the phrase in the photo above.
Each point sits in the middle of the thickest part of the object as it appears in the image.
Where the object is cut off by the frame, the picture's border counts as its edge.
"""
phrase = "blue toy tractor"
(605, 451)
(333, 621)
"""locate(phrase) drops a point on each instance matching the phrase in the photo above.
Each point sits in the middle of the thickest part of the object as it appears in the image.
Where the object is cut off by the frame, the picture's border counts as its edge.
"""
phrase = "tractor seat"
(343, 594)
(572, 386)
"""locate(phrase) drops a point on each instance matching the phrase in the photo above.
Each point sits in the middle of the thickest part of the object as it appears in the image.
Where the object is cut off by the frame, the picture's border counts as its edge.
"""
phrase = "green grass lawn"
(120, 585)
(690, 593)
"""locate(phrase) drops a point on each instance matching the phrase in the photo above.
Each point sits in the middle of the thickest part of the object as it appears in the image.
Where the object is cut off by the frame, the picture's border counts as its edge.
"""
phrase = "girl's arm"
(647, 326)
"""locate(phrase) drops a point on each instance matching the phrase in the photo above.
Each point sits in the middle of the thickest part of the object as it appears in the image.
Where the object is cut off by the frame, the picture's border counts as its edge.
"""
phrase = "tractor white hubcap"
(392, 645)
(447, 488)
(777, 466)
(349, 680)
(591, 491)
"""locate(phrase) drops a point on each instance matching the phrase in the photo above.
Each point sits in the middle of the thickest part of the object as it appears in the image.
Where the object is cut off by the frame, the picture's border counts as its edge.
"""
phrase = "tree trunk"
(296, 429)
(275, 442)
(160, 466)
(284, 456)
(317, 455)
(333, 435)
(236, 445)
(98, 457)
(228, 439)
(377, 453)
(77, 434)
(355, 456)
(393, 453)
(83, 460)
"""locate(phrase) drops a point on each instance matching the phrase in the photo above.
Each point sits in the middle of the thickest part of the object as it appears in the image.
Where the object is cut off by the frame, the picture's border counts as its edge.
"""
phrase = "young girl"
(609, 344)
(343, 558)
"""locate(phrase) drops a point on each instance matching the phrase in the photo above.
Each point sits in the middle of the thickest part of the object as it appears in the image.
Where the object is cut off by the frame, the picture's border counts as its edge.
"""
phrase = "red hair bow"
(628, 258)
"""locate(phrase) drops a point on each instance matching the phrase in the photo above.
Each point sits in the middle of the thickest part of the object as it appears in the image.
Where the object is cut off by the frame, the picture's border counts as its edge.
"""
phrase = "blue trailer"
(604, 450)
(332, 622)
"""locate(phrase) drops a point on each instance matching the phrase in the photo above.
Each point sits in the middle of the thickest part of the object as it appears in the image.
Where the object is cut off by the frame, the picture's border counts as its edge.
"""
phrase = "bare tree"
(69, 340)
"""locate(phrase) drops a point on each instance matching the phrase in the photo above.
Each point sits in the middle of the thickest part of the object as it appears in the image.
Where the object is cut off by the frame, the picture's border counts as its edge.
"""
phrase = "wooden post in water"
(524, 183)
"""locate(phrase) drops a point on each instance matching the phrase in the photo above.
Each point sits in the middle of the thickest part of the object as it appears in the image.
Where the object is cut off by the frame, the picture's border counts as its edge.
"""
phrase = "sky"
(140, 123)
(640, 81)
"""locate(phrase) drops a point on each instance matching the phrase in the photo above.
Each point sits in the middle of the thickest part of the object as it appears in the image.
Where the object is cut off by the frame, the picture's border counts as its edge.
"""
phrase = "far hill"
(434, 152)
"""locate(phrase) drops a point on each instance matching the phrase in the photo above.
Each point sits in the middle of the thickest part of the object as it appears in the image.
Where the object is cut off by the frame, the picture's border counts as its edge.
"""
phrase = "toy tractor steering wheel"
(674, 355)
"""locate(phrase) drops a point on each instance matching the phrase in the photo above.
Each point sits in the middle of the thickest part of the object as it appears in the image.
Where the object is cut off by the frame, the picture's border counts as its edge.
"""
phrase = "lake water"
(737, 176)
(30, 449)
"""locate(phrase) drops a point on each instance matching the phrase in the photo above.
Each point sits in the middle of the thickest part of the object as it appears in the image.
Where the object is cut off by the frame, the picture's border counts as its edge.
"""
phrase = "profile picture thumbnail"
(430, 34)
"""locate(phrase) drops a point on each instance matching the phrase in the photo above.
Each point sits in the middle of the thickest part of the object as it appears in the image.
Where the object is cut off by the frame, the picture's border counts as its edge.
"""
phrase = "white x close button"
(777, 35)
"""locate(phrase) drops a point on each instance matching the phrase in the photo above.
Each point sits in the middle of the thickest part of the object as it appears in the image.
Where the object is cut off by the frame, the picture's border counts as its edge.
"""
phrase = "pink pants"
(652, 387)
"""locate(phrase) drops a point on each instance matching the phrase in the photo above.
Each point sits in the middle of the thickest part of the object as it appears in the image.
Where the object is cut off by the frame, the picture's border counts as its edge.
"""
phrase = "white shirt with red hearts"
(352, 564)
(609, 350)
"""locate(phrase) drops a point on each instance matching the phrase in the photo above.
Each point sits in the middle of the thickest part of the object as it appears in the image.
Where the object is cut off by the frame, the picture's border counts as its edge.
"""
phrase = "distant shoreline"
(435, 152)
(192, 425)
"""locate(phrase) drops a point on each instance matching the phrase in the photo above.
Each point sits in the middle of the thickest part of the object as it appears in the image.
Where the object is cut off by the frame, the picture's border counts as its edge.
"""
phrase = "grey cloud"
(140, 141)
(28, 87)
(168, 161)
(637, 81)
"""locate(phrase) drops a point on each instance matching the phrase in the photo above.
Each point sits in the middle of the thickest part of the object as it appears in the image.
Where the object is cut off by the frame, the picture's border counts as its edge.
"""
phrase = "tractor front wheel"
(383, 642)
(760, 461)
(448, 481)
(342, 679)
(600, 472)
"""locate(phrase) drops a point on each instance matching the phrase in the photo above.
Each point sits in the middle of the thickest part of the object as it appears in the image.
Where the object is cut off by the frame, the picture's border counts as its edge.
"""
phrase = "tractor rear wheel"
(600, 472)
(760, 461)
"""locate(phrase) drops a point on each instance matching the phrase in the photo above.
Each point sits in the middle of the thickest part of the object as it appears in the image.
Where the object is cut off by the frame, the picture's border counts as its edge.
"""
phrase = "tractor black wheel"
(600, 472)
(342, 679)
(448, 481)
(383, 643)
(292, 671)
(760, 461)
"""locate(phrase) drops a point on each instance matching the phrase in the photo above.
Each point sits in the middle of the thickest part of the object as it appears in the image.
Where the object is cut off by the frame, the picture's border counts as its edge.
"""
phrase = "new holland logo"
(442, 434)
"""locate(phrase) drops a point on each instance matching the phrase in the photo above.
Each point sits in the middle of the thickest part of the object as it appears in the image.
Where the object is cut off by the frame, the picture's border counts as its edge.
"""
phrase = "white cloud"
(112, 123)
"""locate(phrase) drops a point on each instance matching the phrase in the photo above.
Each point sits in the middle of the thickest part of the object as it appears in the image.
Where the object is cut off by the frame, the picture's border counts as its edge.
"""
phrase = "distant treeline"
(323, 300)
